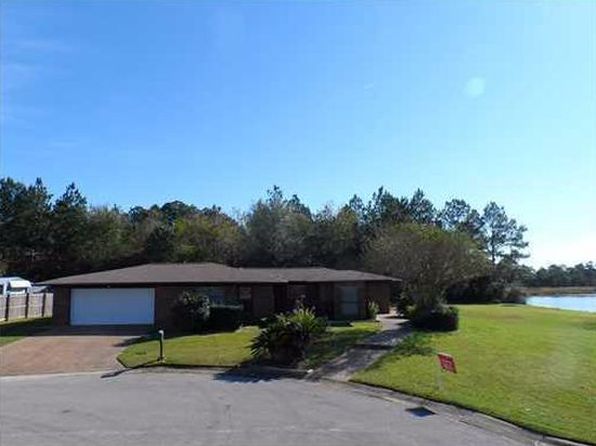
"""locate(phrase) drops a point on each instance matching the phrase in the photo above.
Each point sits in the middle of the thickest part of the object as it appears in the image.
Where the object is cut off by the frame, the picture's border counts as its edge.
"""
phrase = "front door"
(349, 301)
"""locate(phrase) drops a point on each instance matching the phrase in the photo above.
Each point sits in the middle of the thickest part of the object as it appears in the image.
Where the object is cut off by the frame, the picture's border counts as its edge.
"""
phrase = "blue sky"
(214, 102)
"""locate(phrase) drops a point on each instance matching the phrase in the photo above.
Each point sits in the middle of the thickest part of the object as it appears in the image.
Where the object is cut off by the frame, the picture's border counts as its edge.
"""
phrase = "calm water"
(583, 302)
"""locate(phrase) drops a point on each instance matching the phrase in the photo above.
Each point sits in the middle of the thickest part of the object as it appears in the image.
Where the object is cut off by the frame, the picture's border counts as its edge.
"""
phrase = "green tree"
(420, 209)
(160, 245)
(69, 232)
(210, 235)
(502, 236)
(108, 238)
(337, 238)
(427, 258)
(175, 210)
(457, 215)
(24, 225)
(278, 231)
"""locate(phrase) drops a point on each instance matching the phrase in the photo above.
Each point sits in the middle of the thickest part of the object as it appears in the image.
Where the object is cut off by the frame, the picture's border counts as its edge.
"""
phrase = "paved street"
(210, 409)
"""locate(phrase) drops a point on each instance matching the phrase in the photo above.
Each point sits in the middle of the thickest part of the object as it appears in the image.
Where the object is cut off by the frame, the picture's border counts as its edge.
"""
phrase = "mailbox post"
(161, 336)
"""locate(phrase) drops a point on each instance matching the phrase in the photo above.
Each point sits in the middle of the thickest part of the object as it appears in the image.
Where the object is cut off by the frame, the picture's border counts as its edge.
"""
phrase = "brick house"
(144, 294)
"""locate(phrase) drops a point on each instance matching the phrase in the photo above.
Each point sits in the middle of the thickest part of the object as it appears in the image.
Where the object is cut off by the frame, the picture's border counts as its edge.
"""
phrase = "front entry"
(349, 302)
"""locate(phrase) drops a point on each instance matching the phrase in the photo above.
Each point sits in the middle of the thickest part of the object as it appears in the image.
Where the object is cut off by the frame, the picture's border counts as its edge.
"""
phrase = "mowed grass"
(232, 349)
(11, 331)
(219, 349)
(532, 366)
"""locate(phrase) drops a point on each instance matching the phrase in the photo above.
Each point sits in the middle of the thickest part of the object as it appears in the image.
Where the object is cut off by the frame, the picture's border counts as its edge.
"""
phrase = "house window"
(245, 293)
(217, 295)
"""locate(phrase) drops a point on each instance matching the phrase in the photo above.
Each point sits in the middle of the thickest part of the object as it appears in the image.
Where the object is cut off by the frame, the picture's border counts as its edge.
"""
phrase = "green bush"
(440, 318)
(478, 290)
(191, 311)
(514, 295)
(404, 303)
(225, 317)
(285, 339)
(264, 322)
(372, 309)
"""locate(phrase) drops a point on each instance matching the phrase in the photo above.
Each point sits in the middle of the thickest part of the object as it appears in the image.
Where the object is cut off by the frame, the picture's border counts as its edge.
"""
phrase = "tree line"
(42, 236)
(582, 274)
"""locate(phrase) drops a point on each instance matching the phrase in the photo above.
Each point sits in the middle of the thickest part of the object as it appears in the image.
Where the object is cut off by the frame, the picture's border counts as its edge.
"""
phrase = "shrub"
(285, 339)
(404, 303)
(225, 317)
(478, 290)
(514, 296)
(264, 322)
(310, 325)
(372, 309)
(191, 311)
(439, 318)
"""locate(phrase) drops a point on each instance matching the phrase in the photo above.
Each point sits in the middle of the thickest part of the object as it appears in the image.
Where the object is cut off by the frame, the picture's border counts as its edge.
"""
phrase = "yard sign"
(447, 362)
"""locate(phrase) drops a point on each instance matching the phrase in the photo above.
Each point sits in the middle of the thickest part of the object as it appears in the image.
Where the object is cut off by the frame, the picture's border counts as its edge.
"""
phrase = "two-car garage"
(112, 306)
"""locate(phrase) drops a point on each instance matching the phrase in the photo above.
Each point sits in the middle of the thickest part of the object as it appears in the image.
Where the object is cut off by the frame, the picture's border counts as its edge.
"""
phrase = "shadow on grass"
(332, 345)
(589, 325)
(416, 344)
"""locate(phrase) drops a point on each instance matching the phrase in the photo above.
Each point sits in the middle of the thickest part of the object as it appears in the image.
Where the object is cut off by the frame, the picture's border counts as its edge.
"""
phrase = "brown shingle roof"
(187, 273)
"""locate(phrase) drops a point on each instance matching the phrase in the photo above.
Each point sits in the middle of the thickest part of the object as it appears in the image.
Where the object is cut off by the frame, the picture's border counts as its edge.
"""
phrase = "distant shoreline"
(554, 291)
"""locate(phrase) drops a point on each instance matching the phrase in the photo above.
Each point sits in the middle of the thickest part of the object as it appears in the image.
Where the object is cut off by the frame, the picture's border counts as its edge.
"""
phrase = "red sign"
(447, 362)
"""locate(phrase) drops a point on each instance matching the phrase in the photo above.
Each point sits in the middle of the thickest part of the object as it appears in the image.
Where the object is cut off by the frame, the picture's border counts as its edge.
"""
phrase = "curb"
(462, 414)
(55, 375)
(249, 370)
(271, 371)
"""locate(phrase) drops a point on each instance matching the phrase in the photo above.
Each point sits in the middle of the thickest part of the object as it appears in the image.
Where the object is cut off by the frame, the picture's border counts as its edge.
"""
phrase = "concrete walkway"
(366, 352)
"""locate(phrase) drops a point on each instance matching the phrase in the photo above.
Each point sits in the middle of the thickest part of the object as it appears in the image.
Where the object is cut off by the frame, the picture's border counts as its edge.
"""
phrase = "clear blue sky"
(142, 102)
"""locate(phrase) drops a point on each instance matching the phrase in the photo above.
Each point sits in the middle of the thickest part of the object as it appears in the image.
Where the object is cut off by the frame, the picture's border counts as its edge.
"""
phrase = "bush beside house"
(286, 337)
(191, 311)
(439, 318)
(194, 312)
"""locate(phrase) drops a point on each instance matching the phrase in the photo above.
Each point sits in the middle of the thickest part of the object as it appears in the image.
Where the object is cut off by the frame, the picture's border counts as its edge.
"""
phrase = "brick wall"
(263, 303)
(61, 306)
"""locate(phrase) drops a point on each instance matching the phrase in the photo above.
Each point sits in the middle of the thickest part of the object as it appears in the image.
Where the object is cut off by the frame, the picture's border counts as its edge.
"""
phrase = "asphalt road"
(203, 409)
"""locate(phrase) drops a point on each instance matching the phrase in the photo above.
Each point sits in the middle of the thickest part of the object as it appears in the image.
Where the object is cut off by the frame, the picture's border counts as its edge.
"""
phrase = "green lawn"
(535, 367)
(14, 330)
(220, 349)
(231, 349)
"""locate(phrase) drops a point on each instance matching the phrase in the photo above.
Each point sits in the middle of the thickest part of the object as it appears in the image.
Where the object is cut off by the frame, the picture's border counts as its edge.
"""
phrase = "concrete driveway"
(68, 349)
(177, 408)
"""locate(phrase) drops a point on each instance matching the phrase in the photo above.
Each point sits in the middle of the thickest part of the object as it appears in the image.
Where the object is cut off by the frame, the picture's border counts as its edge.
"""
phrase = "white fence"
(25, 306)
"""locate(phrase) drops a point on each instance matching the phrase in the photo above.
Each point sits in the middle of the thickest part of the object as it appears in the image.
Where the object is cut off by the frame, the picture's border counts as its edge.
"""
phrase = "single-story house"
(145, 294)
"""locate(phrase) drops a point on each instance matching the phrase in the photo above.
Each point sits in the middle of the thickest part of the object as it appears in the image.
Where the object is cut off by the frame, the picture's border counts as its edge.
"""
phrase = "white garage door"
(111, 306)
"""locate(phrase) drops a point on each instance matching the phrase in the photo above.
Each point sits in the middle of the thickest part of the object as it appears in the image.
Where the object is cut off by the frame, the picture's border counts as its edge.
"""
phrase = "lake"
(578, 302)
